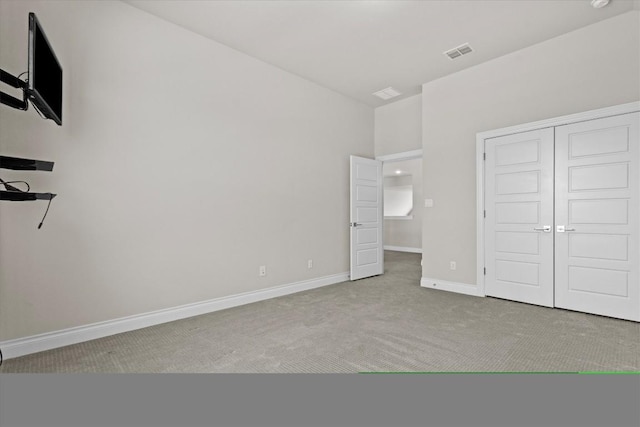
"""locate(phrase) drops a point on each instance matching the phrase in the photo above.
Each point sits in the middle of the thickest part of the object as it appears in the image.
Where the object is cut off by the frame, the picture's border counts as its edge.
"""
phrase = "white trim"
(396, 157)
(47, 341)
(615, 110)
(480, 214)
(403, 249)
(445, 285)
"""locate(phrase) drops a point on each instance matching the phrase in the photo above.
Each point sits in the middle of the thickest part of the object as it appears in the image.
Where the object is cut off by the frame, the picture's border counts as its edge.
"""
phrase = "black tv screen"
(45, 73)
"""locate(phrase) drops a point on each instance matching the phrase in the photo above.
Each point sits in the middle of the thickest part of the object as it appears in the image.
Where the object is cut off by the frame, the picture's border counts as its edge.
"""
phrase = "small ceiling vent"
(387, 93)
(457, 52)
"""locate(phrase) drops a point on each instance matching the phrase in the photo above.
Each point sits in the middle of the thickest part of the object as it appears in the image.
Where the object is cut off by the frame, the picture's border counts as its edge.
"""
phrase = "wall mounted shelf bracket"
(9, 100)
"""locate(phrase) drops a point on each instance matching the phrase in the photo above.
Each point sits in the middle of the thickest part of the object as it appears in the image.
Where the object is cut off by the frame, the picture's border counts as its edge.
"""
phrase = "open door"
(367, 250)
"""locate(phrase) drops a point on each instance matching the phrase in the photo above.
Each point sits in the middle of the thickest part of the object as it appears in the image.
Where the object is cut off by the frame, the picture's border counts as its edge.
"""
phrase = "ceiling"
(359, 47)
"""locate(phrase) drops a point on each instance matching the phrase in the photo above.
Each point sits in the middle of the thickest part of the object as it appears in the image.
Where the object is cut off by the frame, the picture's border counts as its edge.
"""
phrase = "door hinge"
(485, 214)
(485, 271)
(484, 156)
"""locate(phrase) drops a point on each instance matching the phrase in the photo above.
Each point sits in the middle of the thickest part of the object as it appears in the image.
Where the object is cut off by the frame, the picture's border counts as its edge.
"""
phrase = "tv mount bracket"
(18, 84)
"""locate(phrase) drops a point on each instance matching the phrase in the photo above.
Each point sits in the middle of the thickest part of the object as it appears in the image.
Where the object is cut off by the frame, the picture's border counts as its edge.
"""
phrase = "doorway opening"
(402, 201)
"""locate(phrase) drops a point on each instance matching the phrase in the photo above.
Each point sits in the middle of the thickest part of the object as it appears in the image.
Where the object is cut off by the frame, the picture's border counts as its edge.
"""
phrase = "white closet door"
(597, 215)
(519, 217)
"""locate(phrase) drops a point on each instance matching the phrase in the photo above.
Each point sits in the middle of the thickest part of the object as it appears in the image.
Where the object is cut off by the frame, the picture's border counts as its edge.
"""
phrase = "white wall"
(181, 166)
(593, 67)
(406, 233)
(398, 126)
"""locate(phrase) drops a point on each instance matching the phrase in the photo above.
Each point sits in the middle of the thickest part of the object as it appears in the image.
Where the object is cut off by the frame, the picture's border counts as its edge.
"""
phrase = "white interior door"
(597, 215)
(519, 217)
(367, 253)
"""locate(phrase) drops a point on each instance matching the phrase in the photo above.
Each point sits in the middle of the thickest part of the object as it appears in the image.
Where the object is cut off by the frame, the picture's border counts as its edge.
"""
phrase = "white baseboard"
(47, 341)
(444, 285)
(403, 249)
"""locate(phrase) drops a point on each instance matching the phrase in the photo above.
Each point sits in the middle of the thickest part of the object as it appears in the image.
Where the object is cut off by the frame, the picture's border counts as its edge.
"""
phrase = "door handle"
(562, 229)
(546, 228)
(354, 224)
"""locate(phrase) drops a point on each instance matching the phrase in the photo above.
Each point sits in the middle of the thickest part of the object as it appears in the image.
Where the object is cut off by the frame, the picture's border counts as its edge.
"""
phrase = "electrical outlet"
(452, 265)
(263, 270)
(310, 263)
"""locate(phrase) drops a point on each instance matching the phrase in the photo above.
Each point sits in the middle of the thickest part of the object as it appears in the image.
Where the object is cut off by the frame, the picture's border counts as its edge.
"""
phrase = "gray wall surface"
(398, 126)
(181, 167)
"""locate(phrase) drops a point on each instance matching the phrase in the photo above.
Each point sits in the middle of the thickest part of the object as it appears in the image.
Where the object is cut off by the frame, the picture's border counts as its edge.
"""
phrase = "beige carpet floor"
(381, 324)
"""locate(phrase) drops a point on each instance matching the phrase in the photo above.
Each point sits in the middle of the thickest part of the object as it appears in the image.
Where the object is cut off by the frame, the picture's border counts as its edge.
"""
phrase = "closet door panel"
(597, 253)
(519, 204)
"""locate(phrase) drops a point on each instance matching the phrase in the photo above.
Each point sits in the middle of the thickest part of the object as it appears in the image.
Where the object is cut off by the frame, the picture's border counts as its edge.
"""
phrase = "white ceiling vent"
(456, 52)
(387, 93)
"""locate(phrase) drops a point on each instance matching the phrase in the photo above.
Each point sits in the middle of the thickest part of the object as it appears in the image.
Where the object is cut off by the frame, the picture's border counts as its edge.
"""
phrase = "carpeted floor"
(381, 324)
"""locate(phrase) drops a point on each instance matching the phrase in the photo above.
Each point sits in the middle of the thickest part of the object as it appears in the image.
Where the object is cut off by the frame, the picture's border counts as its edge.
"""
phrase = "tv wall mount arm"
(18, 84)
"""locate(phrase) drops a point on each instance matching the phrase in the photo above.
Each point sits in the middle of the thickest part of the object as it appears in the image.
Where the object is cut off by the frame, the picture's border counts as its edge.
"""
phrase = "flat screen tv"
(45, 73)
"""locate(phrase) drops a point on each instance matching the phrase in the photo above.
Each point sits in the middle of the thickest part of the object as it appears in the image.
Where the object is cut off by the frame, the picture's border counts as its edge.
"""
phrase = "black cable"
(45, 213)
(20, 75)
(12, 188)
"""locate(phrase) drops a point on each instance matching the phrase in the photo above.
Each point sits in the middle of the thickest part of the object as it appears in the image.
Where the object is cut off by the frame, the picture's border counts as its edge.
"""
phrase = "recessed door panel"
(599, 177)
(599, 281)
(518, 153)
(599, 246)
(599, 211)
(518, 242)
(365, 172)
(367, 257)
(367, 214)
(517, 212)
(517, 183)
(366, 236)
(518, 273)
(600, 142)
(367, 193)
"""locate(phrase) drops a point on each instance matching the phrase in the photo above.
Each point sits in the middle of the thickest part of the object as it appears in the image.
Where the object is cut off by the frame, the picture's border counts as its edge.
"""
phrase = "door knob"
(562, 229)
(545, 228)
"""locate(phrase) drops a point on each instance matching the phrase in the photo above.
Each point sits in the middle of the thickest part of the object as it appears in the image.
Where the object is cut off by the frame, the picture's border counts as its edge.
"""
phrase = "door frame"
(615, 110)
(397, 157)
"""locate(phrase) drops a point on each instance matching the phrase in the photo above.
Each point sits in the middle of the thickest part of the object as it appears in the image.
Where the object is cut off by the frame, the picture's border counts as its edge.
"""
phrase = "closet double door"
(562, 216)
